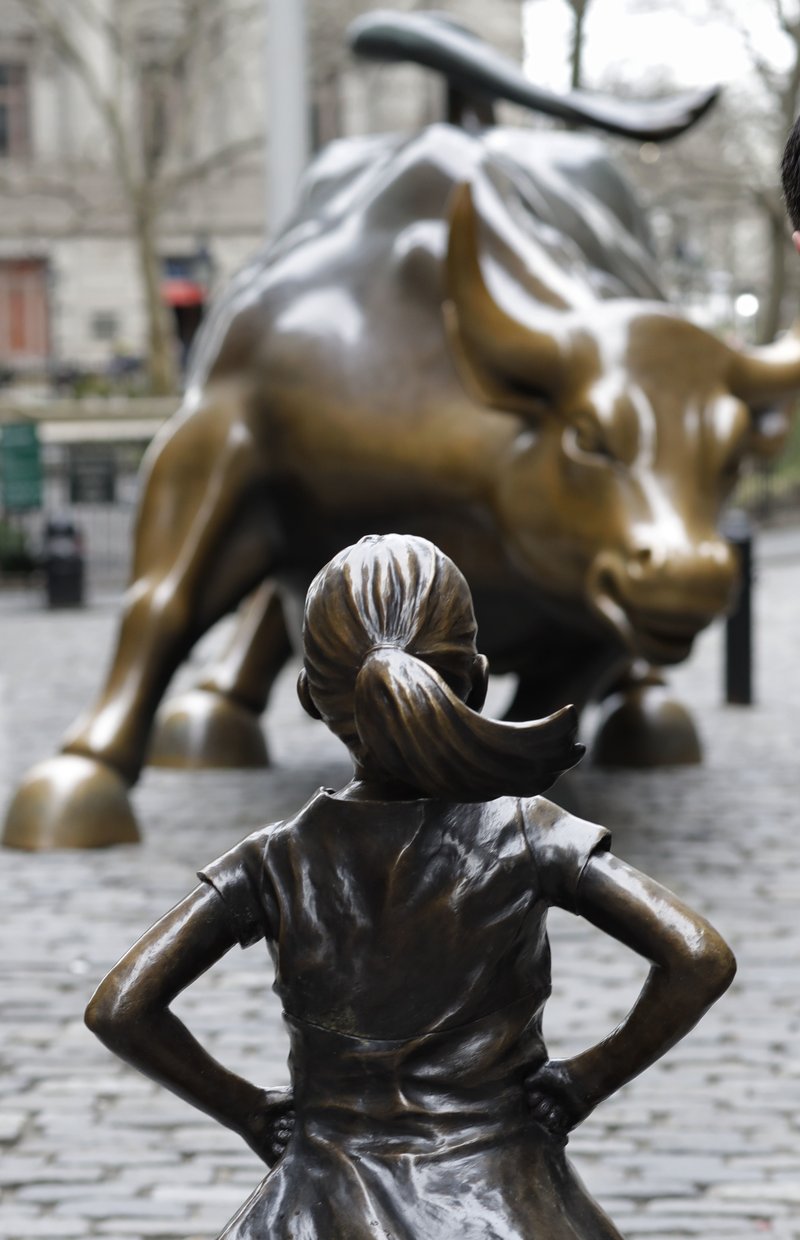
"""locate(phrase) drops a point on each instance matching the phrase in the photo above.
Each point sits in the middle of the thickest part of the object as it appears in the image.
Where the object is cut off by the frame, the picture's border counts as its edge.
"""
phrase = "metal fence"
(95, 486)
(90, 452)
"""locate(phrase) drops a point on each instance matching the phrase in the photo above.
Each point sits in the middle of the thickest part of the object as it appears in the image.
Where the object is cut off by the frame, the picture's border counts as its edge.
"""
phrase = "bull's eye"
(588, 438)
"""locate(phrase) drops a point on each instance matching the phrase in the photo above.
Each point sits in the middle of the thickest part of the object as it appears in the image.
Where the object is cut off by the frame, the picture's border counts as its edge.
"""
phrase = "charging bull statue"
(460, 334)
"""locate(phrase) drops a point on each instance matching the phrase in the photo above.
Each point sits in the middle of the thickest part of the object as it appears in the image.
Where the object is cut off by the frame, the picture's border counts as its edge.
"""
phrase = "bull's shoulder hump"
(339, 176)
(353, 174)
(404, 179)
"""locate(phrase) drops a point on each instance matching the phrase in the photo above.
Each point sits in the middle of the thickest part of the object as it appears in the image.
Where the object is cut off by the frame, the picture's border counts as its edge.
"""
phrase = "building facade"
(121, 116)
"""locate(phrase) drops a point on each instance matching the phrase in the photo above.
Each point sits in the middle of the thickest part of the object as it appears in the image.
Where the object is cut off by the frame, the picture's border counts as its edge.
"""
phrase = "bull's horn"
(492, 345)
(768, 372)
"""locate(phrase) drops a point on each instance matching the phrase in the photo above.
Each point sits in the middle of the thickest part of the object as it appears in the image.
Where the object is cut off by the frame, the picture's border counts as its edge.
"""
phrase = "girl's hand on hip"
(269, 1128)
(555, 1100)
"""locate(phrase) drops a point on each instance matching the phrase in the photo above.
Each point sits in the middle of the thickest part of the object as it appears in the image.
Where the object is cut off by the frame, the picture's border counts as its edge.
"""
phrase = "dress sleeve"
(241, 880)
(560, 845)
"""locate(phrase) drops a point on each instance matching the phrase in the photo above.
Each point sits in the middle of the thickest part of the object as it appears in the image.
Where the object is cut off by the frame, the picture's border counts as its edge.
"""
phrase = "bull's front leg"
(187, 573)
(642, 725)
(216, 724)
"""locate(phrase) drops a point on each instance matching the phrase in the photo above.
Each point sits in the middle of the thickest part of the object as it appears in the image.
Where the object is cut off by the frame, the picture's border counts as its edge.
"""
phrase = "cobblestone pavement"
(705, 1144)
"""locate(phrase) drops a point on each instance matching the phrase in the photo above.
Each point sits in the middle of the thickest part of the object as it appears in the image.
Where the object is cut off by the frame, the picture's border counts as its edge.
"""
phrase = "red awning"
(183, 292)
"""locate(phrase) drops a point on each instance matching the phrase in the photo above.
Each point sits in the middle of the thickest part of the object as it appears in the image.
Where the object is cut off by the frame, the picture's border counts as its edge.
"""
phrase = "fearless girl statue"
(405, 915)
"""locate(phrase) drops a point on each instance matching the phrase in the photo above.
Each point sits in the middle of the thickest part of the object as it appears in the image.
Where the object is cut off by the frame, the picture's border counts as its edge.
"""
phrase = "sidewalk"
(707, 1144)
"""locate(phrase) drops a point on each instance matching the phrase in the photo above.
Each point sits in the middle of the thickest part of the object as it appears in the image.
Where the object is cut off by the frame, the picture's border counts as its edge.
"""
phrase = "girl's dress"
(413, 966)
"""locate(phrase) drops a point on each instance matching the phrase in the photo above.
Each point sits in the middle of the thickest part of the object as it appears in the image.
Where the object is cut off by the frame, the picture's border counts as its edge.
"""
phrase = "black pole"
(738, 529)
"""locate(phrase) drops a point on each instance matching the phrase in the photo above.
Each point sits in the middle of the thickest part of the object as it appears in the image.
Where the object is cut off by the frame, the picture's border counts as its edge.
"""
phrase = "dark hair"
(790, 174)
(388, 623)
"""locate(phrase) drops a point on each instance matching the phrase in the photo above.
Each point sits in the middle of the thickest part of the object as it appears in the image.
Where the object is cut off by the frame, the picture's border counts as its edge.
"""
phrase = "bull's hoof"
(644, 726)
(70, 802)
(201, 729)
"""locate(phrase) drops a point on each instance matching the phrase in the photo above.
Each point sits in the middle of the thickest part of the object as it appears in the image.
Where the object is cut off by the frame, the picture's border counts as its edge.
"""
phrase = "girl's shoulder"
(560, 846)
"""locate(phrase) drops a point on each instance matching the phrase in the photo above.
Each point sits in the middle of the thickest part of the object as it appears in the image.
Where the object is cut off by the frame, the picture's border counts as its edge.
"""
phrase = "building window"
(14, 128)
(105, 325)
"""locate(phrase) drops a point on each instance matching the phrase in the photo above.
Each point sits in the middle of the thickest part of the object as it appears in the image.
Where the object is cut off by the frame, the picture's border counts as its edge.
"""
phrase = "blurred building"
(95, 96)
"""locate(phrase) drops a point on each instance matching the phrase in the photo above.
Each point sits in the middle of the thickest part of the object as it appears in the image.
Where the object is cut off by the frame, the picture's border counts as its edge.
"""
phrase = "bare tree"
(729, 169)
(579, 9)
(157, 60)
(764, 132)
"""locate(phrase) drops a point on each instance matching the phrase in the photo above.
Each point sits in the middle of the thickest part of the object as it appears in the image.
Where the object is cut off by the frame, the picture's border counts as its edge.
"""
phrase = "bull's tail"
(477, 75)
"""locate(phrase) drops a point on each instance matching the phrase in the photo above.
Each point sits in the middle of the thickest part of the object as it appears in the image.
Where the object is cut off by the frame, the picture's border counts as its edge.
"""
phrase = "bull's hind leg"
(202, 544)
(643, 725)
(216, 724)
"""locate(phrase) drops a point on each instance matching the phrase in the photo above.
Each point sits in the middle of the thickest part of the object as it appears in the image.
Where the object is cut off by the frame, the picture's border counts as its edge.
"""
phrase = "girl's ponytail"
(414, 729)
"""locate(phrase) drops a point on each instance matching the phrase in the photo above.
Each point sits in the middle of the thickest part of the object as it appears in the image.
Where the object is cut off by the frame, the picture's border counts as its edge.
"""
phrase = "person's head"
(790, 176)
(391, 666)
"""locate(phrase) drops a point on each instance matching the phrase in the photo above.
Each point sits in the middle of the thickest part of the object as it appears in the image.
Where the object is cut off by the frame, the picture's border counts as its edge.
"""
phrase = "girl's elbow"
(711, 964)
(108, 1014)
(99, 1016)
(725, 965)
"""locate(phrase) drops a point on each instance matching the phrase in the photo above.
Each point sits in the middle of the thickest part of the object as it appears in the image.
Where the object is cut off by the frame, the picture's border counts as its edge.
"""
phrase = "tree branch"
(46, 187)
(56, 30)
(93, 16)
(178, 179)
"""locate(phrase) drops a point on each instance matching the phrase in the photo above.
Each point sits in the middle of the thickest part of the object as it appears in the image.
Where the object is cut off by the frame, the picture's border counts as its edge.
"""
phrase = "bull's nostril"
(640, 560)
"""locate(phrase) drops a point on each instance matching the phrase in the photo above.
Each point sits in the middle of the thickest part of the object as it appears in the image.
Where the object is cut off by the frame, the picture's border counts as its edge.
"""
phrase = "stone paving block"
(29, 1228)
(11, 1125)
(224, 1195)
(107, 1204)
(16, 1171)
(158, 1229)
(768, 1193)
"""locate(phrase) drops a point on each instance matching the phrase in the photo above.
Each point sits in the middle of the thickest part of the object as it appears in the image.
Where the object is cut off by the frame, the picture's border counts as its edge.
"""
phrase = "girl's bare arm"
(130, 1014)
(691, 966)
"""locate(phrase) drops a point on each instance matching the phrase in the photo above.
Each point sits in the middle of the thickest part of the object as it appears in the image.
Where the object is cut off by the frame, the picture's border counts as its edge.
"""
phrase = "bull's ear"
(767, 374)
(507, 362)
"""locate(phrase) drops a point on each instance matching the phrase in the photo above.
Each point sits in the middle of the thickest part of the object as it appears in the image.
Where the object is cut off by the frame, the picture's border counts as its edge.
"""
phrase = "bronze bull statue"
(460, 334)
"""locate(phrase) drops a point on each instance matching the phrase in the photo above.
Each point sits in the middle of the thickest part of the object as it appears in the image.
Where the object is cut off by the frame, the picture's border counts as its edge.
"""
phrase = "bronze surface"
(408, 934)
(459, 334)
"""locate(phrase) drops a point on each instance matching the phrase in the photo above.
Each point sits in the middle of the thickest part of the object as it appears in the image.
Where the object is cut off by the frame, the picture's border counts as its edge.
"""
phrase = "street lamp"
(747, 305)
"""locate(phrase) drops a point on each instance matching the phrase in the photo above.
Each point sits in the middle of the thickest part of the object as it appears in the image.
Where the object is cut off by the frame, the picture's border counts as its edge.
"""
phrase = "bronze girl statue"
(405, 915)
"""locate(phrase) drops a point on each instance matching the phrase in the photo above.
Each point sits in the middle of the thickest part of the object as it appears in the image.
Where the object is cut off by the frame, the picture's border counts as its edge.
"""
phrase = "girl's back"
(396, 918)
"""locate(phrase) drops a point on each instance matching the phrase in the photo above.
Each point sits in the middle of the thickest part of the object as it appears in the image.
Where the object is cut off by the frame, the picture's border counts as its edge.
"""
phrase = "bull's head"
(633, 425)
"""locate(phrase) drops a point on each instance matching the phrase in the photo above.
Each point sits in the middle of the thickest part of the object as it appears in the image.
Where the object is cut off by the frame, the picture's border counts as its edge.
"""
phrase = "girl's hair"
(387, 623)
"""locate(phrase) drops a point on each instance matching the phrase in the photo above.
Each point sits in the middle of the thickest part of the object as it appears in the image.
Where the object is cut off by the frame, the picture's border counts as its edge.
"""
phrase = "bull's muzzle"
(658, 598)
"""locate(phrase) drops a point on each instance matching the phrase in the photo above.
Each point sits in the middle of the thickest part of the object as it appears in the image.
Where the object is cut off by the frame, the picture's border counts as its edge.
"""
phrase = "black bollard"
(738, 529)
